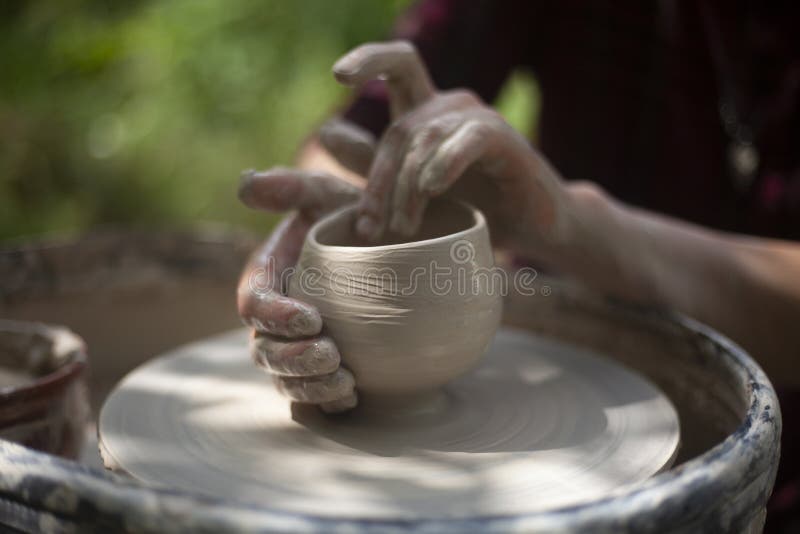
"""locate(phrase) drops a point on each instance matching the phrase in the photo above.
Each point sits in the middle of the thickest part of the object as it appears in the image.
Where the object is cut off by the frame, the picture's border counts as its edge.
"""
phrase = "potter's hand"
(445, 141)
(286, 340)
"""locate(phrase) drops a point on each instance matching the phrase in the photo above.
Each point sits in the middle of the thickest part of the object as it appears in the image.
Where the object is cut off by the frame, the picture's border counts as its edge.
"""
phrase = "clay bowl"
(408, 315)
(43, 396)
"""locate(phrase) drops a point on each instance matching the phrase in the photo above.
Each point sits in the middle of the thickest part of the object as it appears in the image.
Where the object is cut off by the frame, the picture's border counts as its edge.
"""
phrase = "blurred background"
(143, 113)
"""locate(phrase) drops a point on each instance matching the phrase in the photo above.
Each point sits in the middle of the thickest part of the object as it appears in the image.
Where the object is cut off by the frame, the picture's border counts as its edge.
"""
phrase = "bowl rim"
(479, 223)
(64, 344)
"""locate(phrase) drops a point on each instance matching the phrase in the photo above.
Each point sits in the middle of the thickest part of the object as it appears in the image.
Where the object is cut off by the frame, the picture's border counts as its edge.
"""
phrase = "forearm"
(748, 288)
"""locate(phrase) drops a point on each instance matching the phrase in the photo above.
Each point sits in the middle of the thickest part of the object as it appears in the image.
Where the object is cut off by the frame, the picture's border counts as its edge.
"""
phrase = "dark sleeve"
(473, 44)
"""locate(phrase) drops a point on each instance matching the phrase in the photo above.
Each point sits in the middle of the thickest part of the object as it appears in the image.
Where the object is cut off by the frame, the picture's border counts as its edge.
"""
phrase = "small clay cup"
(408, 315)
(43, 394)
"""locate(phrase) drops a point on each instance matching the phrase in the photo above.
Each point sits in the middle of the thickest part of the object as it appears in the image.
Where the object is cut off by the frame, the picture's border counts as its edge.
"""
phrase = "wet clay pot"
(407, 314)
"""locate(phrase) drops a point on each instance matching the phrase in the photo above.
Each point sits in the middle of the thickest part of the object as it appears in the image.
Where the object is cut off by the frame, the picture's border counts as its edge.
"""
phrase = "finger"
(341, 405)
(460, 150)
(351, 145)
(408, 202)
(398, 63)
(388, 162)
(260, 300)
(327, 388)
(373, 208)
(306, 357)
(282, 189)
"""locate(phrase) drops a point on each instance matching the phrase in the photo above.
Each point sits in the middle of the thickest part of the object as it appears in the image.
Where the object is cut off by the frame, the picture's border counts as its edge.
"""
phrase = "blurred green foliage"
(145, 112)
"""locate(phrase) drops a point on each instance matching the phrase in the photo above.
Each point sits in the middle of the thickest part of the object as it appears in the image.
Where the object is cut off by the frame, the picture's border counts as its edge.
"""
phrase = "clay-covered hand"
(286, 340)
(445, 141)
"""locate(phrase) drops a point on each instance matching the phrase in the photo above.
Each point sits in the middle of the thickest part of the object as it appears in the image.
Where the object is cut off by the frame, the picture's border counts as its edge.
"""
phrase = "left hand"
(288, 342)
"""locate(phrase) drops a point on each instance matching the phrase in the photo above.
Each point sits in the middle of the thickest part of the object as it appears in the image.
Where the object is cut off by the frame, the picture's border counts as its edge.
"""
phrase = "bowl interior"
(442, 218)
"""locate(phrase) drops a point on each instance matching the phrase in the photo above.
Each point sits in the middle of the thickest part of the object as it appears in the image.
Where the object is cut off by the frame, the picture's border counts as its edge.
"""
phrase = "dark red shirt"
(632, 94)
(651, 100)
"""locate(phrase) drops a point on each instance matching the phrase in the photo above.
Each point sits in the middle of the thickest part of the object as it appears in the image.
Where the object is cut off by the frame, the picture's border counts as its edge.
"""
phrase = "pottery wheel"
(540, 424)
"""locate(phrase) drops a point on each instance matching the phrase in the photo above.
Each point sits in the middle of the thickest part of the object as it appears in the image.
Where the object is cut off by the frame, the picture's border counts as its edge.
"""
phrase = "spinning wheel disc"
(540, 424)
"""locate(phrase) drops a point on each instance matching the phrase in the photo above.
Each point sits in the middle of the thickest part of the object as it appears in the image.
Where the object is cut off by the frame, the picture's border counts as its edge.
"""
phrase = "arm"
(449, 142)
(746, 287)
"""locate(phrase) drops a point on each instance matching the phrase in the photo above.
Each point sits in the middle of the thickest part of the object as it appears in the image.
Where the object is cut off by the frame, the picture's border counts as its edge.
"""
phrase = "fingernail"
(369, 204)
(257, 351)
(400, 224)
(319, 358)
(366, 227)
(305, 322)
(342, 68)
(245, 178)
(341, 405)
(425, 185)
(255, 324)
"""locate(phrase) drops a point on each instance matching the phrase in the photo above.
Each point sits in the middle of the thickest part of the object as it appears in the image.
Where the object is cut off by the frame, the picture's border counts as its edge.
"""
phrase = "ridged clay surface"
(539, 424)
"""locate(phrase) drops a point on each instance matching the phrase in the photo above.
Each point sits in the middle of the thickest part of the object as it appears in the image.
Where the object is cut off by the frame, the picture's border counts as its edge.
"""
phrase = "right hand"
(449, 143)
(287, 340)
